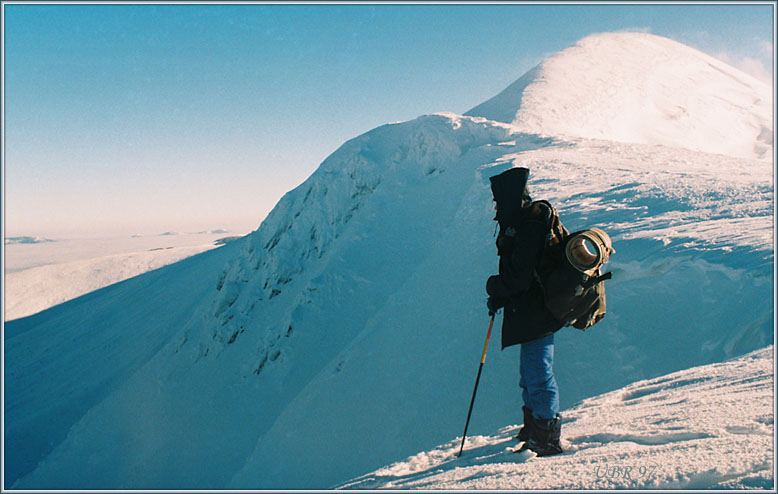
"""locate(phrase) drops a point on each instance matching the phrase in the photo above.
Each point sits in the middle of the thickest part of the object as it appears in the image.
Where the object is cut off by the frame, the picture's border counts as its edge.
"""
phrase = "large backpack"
(573, 290)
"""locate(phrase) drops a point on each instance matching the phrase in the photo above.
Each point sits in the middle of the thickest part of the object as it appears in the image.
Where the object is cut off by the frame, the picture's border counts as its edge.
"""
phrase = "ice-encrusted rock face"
(641, 88)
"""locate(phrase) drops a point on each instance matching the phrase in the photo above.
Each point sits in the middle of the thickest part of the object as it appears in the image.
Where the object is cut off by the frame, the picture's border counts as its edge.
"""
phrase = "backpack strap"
(557, 231)
(596, 279)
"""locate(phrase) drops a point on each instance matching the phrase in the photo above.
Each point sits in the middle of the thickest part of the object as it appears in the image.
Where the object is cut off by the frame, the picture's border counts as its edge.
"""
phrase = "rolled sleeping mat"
(587, 250)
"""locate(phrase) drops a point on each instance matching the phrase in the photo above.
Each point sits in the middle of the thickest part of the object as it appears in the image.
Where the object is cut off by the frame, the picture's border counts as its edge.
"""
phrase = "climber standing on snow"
(523, 234)
(548, 279)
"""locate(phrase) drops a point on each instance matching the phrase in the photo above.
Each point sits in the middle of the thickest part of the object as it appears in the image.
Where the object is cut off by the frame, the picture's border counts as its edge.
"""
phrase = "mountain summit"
(344, 333)
(640, 88)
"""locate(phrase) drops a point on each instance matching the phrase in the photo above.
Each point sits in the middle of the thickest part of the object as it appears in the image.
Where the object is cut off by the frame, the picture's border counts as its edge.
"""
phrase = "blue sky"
(156, 117)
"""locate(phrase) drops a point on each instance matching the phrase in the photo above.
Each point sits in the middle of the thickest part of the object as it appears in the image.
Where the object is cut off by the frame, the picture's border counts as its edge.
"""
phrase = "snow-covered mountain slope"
(641, 88)
(669, 309)
(709, 427)
(344, 333)
(57, 279)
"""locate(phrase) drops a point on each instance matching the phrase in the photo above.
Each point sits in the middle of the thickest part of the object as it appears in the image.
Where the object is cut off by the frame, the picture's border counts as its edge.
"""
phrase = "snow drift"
(708, 427)
(344, 333)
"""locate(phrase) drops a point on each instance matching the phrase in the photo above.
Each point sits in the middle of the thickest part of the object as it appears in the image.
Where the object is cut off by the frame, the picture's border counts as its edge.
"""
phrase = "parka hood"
(509, 190)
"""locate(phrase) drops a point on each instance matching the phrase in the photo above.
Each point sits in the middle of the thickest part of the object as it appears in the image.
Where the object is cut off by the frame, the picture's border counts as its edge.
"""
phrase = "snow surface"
(344, 333)
(641, 88)
(708, 427)
(41, 276)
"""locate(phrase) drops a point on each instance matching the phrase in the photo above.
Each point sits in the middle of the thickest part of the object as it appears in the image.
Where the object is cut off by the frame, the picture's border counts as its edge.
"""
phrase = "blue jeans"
(538, 386)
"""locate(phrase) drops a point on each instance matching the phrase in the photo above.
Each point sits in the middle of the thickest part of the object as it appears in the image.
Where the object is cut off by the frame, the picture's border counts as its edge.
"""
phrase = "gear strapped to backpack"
(569, 271)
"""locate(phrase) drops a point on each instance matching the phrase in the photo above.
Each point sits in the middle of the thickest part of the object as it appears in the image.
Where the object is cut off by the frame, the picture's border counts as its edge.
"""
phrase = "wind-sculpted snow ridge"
(641, 88)
(709, 427)
(294, 243)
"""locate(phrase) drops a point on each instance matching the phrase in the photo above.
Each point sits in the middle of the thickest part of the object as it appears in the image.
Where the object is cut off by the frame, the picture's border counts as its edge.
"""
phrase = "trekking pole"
(477, 378)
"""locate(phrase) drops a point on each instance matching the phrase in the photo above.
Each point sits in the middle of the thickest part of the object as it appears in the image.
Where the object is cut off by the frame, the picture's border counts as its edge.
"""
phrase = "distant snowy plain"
(42, 272)
(343, 335)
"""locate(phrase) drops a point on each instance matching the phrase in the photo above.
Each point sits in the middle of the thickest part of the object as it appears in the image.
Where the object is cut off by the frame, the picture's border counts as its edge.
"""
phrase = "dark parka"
(523, 231)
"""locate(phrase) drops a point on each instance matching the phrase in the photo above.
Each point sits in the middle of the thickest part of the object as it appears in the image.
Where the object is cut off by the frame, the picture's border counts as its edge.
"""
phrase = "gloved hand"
(494, 304)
